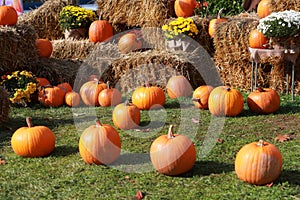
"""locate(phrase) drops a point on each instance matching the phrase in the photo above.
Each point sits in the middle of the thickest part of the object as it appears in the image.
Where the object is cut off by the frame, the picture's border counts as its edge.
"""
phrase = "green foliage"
(230, 7)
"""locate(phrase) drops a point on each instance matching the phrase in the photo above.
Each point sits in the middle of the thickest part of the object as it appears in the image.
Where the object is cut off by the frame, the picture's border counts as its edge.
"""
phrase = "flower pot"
(79, 33)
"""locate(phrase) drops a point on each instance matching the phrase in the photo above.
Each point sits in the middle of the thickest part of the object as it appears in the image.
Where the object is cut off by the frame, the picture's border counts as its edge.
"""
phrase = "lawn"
(64, 175)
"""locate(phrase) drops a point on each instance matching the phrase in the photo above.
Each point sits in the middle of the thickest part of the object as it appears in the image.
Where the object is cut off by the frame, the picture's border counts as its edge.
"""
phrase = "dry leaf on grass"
(139, 195)
(2, 161)
(196, 121)
(284, 138)
(270, 184)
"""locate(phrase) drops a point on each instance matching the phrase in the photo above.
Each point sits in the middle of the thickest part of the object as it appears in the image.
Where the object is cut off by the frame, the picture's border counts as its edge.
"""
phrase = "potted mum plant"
(75, 21)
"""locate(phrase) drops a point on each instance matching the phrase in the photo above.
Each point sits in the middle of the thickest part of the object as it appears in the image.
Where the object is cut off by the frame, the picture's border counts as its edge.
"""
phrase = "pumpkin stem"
(127, 103)
(260, 89)
(220, 13)
(100, 15)
(170, 132)
(197, 100)
(29, 122)
(260, 143)
(228, 89)
(108, 84)
(98, 123)
(3, 2)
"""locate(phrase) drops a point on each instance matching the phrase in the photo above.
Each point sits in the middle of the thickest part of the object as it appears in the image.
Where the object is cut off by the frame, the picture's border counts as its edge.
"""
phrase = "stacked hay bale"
(45, 19)
(4, 105)
(17, 44)
(281, 5)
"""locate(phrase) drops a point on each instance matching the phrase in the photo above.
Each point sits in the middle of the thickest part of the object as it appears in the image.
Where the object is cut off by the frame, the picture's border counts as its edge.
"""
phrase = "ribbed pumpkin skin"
(43, 81)
(72, 99)
(44, 47)
(148, 97)
(264, 101)
(225, 101)
(126, 116)
(8, 16)
(109, 97)
(185, 8)
(52, 96)
(179, 86)
(100, 30)
(202, 94)
(257, 164)
(65, 86)
(264, 8)
(129, 42)
(100, 145)
(90, 91)
(257, 39)
(34, 141)
(172, 156)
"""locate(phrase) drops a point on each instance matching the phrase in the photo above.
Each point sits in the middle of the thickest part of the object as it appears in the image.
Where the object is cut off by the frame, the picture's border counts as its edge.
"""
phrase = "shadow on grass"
(290, 176)
(133, 159)
(64, 150)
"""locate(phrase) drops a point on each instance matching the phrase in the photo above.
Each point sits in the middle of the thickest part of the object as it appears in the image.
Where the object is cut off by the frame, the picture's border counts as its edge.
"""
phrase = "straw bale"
(71, 49)
(45, 19)
(138, 13)
(17, 44)
(282, 5)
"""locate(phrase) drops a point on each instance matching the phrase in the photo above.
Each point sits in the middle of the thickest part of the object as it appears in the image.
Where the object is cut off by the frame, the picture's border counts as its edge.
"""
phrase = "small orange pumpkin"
(90, 91)
(126, 116)
(52, 96)
(264, 8)
(44, 47)
(258, 163)
(129, 42)
(72, 99)
(100, 30)
(257, 39)
(225, 101)
(212, 26)
(33, 141)
(43, 81)
(99, 144)
(109, 96)
(65, 86)
(8, 15)
(185, 8)
(148, 96)
(201, 95)
(179, 86)
(263, 100)
(172, 154)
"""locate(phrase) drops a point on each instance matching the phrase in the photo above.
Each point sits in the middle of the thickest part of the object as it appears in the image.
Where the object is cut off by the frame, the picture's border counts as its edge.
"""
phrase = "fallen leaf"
(142, 130)
(127, 177)
(2, 161)
(270, 184)
(196, 121)
(139, 195)
(284, 138)
(220, 140)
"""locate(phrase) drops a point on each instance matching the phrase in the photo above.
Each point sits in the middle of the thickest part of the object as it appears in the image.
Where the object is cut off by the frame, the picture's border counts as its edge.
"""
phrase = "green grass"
(64, 175)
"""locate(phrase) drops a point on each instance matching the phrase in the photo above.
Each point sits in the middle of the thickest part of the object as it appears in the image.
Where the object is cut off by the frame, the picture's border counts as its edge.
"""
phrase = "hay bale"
(139, 13)
(45, 19)
(71, 49)
(282, 5)
(17, 44)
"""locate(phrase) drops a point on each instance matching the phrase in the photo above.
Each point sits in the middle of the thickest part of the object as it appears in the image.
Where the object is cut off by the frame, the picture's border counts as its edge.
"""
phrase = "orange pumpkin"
(90, 91)
(109, 96)
(126, 116)
(172, 154)
(257, 39)
(264, 8)
(65, 86)
(33, 141)
(225, 101)
(179, 86)
(44, 47)
(52, 96)
(100, 30)
(8, 15)
(201, 95)
(129, 42)
(185, 8)
(72, 99)
(264, 101)
(148, 96)
(43, 81)
(212, 26)
(99, 144)
(258, 163)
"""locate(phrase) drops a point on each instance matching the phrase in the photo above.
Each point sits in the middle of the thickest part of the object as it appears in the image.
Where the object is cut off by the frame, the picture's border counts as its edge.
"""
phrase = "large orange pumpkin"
(258, 163)
(100, 30)
(185, 8)
(212, 26)
(148, 96)
(264, 101)
(109, 96)
(172, 154)
(264, 8)
(129, 42)
(179, 86)
(8, 15)
(225, 101)
(43, 81)
(52, 96)
(100, 144)
(126, 116)
(33, 141)
(44, 47)
(201, 95)
(90, 90)
(72, 99)
(257, 39)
